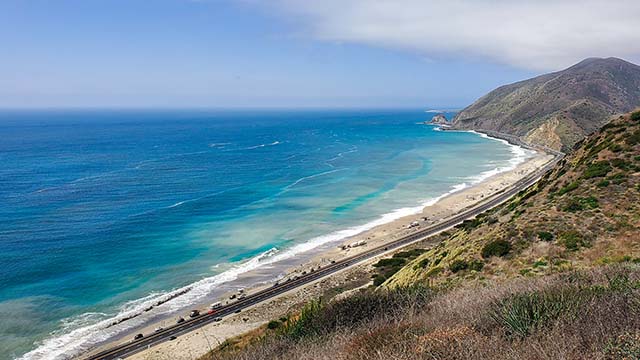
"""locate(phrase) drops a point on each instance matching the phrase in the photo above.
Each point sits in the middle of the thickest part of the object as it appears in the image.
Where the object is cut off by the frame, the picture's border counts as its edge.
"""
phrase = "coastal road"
(130, 348)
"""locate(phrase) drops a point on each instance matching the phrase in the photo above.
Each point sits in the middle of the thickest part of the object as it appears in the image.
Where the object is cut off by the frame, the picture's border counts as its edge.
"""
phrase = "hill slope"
(560, 108)
(584, 213)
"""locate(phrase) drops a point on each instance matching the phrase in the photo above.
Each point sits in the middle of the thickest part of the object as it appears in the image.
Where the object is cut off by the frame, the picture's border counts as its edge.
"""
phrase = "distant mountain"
(560, 108)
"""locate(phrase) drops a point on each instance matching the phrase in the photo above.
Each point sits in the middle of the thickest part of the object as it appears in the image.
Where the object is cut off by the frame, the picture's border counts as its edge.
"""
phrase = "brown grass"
(458, 324)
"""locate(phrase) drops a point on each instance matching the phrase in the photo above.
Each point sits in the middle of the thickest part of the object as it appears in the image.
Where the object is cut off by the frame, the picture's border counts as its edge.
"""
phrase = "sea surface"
(105, 212)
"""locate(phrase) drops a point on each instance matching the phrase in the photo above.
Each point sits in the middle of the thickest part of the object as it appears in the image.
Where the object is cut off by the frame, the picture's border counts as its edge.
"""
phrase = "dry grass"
(593, 314)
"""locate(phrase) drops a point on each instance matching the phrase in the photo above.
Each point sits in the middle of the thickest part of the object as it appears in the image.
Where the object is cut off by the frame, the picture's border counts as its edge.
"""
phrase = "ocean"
(105, 212)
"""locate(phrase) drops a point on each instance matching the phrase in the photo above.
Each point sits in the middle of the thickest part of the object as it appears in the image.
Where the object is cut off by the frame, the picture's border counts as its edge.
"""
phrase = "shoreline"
(433, 211)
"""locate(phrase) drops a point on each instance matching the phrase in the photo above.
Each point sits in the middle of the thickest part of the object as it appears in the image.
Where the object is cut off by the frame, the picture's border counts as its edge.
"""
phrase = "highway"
(132, 347)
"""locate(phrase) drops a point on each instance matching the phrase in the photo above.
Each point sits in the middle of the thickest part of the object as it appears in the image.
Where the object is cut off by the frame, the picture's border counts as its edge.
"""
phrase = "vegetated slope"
(552, 274)
(583, 213)
(560, 108)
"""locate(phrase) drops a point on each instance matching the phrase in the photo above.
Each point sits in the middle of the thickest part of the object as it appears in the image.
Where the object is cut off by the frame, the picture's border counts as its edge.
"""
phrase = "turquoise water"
(105, 212)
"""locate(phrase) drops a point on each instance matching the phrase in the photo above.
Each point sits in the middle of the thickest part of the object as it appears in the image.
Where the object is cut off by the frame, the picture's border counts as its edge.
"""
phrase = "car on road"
(216, 305)
(180, 320)
(217, 319)
(173, 338)
(237, 311)
(158, 329)
(211, 312)
(194, 313)
(138, 337)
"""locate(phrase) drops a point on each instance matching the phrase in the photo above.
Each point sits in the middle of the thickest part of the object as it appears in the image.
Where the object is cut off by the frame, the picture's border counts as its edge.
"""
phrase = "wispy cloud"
(532, 34)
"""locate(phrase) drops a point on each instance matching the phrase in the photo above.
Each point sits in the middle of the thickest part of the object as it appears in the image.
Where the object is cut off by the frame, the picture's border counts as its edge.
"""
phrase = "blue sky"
(233, 53)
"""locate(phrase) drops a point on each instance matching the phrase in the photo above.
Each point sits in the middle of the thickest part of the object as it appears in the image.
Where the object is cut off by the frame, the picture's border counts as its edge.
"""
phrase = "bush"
(620, 163)
(603, 183)
(520, 314)
(635, 116)
(580, 203)
(572, 186)
(597, 169)
(318, 319)
(616, 148)
(496, 248)
(423, 263)
(545, 236)
(458, 265)
(572, 240)
(409, 254)
(476, 265)
(393, 262)
(633, 138)
(379, 280)
(273, 324)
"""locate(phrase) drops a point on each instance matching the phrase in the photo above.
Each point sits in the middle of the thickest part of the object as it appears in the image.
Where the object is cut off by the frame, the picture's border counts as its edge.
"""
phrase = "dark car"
(180, 320)
(237, 311)
(138, 337)
(194, 313)
(172, 338)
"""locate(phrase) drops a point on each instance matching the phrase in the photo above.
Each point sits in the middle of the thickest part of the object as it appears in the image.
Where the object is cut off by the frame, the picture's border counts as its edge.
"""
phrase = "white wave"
(310, 177)
(434, 111)
(71, 340)
(177, 204)
(520, 155)
(214, 145)
(262, 145)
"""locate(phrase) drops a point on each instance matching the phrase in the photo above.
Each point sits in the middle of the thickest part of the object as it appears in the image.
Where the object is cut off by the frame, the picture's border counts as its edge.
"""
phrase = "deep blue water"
(100, 208)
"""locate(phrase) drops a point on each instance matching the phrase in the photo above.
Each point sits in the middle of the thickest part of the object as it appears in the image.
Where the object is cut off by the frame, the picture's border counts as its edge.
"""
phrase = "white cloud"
(541, 35)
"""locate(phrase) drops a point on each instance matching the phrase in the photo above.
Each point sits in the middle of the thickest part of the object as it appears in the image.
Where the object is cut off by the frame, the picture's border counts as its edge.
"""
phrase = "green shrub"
(597, 169)
(620, 163)
(545, 236)
(409, 254)
(572, 240)
(273, 324)
(379, 279)
(633, 138)
(423, 263)
(635, 116)
(616, 148)
(393, 262)
(496, 248)
(521, 314)
(580, 203)
(570, 187)
(458, 265)
(476, 265)
(603, 183)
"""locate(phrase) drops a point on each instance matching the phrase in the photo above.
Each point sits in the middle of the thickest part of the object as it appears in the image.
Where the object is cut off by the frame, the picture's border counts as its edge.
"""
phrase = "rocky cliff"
(560, 108)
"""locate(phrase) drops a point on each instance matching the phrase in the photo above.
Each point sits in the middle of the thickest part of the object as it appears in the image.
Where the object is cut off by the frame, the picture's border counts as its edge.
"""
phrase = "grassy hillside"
(552, 274)
(583, 213)
(558, 109)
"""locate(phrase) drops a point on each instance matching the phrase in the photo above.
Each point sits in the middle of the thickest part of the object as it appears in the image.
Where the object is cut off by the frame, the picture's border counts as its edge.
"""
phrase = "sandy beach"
(197, 343)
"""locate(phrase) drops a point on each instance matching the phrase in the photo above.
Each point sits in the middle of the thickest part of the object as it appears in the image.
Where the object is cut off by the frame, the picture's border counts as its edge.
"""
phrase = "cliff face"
(561, 108)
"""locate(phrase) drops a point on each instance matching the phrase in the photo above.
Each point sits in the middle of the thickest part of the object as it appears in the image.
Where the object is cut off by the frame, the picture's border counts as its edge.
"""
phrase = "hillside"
(552, 274)
(584, 213)
(560, 108)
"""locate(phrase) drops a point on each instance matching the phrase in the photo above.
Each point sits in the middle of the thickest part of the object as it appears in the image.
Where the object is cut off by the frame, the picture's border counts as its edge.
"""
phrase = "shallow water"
(106, 211)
